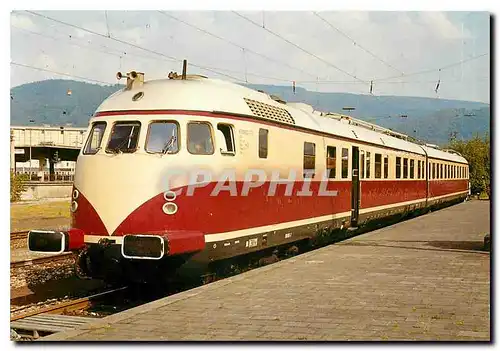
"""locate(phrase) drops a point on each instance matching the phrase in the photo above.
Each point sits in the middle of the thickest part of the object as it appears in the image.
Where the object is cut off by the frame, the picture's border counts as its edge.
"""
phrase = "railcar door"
(355, 191)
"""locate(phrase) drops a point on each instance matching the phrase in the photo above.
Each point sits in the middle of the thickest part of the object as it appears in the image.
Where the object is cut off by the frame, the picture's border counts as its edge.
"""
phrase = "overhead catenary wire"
(235, 44)
(300, 48)
(433, 69)
(357, 44)
(117, 54)
(386, 80)
(61, 73)
(174, 59)
(121, 54)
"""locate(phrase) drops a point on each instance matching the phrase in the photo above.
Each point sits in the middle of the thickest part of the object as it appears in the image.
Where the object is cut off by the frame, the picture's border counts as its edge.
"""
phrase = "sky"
(335, 51)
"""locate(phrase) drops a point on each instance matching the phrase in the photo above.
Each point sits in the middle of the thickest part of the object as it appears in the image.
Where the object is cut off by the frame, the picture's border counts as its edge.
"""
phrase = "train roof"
(199, 93)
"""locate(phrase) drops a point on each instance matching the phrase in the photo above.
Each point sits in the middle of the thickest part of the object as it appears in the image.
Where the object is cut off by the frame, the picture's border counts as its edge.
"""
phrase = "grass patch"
(483, 196)
(52, 209)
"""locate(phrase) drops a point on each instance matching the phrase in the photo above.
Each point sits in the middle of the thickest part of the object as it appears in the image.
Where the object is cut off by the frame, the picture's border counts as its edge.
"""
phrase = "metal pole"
(30, 153)
(184, 69)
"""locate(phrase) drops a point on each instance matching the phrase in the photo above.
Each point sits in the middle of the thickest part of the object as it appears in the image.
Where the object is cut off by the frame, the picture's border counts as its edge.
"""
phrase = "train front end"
(126, 219)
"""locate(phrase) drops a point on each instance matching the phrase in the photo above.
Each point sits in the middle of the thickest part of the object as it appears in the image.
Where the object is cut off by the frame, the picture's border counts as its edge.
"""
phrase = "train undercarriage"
(105, 259)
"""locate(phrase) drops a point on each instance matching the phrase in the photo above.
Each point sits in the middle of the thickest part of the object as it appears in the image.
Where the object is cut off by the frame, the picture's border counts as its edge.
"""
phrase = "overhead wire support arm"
(433, 69)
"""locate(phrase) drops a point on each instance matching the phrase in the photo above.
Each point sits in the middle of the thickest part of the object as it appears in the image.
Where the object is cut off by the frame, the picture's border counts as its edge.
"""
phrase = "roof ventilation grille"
(266, 111)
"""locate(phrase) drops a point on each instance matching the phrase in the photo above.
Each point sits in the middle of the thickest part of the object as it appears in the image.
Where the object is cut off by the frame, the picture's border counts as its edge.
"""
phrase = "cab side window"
(95, 138)
(225, 139)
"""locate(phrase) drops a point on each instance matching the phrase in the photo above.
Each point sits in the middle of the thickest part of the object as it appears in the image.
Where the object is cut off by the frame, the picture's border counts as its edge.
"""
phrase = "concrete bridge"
(45, 152)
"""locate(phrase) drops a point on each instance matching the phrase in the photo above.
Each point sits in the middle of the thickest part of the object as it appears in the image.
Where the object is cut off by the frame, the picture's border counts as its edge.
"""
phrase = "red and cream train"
(129, 215)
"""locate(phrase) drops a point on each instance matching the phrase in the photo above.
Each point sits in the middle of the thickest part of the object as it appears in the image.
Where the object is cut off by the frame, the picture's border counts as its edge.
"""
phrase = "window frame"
(330, 147)
(210, 127)
(386, 166)
(163, 121)
(398, 167)
(305, 156)
(362, 164)
(368, 163)
(342, 163)
(267, 143)
(411, 169)
(231, 129)
(99, 148)
(379, 166)
(405, 168)
(115, 123)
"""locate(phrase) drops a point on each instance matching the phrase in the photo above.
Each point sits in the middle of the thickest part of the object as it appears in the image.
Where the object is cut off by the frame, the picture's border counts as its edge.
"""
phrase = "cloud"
(409, 41)
(22, 21)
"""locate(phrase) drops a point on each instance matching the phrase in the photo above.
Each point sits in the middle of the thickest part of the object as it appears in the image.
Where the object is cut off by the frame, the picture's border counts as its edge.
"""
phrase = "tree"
(17, 186)
(477, 152)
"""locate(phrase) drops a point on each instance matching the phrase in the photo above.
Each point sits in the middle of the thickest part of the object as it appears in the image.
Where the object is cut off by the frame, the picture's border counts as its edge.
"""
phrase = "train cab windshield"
(163, 137)
(124, 137)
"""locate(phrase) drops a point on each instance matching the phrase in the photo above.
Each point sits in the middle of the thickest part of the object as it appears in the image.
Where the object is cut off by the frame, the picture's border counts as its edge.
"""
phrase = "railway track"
(52, 319)
(18, 240)
(41, 260)
(22, 235)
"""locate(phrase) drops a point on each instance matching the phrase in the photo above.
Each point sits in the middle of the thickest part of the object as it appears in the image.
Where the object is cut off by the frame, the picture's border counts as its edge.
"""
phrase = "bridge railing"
(61, 176)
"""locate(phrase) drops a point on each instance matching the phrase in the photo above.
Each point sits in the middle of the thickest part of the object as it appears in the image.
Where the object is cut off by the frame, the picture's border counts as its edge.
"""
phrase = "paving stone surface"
(422, 279)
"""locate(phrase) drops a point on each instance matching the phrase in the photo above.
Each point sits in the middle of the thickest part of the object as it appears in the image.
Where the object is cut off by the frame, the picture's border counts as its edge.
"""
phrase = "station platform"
(423, 279)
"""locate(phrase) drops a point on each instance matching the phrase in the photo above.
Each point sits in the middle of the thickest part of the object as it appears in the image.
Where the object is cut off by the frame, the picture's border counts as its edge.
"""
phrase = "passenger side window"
(378, 166)
(398, 167)
(405, 168)
(442, 174)
(309, 159)
(386, 166)
(331, 161)
(362, 165)
(345, 163)
(368, 165)
(199, 138)
(124, 137)
(433, 170)
(95, 138)
(225, 139)
(419, 169)
(263, 139)
(412, 169)
(162, 137)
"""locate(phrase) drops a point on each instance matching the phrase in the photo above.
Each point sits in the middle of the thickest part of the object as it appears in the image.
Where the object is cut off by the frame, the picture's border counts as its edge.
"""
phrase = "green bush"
(477, 152)
(17, 186)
